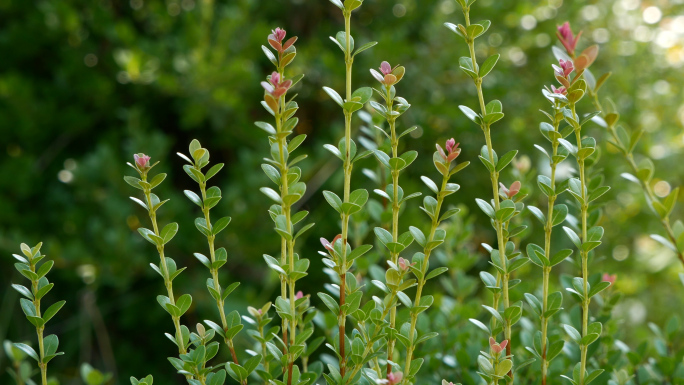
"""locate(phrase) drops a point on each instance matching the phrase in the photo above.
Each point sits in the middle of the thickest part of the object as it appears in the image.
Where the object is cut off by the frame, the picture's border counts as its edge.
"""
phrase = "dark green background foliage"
(84, 84)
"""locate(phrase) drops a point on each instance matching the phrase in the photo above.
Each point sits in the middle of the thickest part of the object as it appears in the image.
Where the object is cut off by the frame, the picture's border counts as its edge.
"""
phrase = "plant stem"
(369, 344)
(494, 176)
(287, 244)
(39, 331)
(220, 303)
(422, 281)
(165, 273)
(264, 350)
(584, 254)
(348, 59)
(212, 253)
(395, 218)
(548, 229)
(645, 186)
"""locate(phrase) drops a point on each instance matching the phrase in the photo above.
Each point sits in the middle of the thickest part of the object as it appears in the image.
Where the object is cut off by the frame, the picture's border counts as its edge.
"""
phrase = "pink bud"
(276, 86)
(514, 189)
(299, 295)
(497, 347)
(141, 160)
(567, 67)
(395, 378)
(509, 192)
(452, 149)
(260, 311)
(385, 68)
(403, 264)
(450, 145)
(278, 35)
(275, 78)
(567, 38)
(609, 278)
(560, 90)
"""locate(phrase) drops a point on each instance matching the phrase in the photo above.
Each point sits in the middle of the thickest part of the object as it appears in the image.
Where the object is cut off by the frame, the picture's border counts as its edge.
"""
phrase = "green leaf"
(269, 192)
(169, 231)
(51, 343)
(470, 114)
(573, 236)
(213, 170)
(537, 214)
(135, 182)
(28, 350)
(193, 197)
(418, 235)
(488, 65)
(334, 95)
(486, 208)
(52, 310)
(505, 160)
(560, 212)
(329, 302)
(23, 290)
(358, 197)
(560, 256)
(572, 332)
(431, 185)
(599, 287)
(333, 200)
(436, 272)
(220, 225)
(598, 193)
(365, 47)
(45, 268)
(183, 303)
(504, 367)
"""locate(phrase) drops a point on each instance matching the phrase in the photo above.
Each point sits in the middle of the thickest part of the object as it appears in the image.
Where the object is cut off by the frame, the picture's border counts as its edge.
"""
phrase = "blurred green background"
(84, 84)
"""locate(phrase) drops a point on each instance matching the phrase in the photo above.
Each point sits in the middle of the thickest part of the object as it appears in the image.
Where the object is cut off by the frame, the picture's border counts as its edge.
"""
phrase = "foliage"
(164, 73)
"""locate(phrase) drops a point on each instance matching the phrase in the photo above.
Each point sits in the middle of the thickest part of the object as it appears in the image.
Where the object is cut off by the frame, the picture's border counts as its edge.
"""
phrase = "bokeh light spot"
(399, 10)
(65, 176)
(652, 15)
(662, 189)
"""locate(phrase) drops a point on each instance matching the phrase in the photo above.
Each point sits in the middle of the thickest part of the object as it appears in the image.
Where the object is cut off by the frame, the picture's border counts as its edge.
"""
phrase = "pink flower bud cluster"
(275, 39)
(509, 192)
(452, 150)
(497, 348)
(388, 76)
(142, 161)
(567, 38)
(275, 86)
(403, 264)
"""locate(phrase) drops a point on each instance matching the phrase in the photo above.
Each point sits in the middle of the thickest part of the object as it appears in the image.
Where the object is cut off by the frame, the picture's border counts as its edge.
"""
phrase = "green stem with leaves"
(424, 269)
(168, 283)
(40, 286)
(39, 330)
(584, 255)
(494, 176)
(627, 151)
(349, 61)
(395, 216)
(548, 230)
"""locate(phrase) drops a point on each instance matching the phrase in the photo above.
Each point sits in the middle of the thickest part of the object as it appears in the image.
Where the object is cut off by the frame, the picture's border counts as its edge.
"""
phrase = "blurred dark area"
(85, 84)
